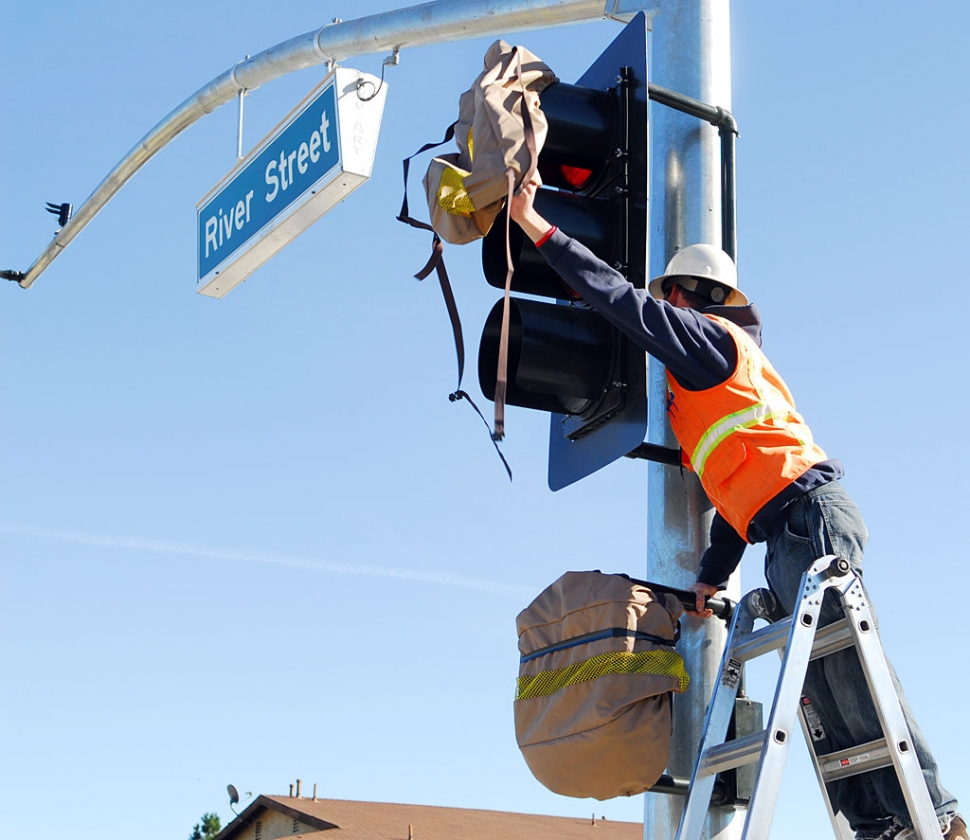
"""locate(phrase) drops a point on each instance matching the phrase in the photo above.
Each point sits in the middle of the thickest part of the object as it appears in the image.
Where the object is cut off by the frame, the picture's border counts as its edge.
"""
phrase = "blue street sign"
(303, 153)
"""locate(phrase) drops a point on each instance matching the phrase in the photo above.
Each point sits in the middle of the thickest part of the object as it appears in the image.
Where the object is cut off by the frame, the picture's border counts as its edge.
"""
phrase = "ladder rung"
(855, 760)
(740, 751)
(831, 638)
(762, 641)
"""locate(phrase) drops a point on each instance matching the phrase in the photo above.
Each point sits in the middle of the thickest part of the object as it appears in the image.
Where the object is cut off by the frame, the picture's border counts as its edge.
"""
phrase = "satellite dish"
(233, 794)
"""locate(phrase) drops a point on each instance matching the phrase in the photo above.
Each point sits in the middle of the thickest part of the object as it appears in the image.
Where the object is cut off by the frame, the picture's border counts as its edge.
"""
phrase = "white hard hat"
(703, 262)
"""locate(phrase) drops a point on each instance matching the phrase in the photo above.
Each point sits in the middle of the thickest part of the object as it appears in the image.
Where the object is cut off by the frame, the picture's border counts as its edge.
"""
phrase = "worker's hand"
(522, 200)
(701, 591)
(523, 213)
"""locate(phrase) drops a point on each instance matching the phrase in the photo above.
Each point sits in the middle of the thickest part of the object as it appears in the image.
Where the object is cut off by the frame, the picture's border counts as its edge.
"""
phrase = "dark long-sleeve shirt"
(699, 353)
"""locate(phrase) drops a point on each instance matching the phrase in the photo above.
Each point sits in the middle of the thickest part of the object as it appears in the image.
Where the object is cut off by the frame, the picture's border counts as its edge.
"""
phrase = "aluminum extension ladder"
(801, 639)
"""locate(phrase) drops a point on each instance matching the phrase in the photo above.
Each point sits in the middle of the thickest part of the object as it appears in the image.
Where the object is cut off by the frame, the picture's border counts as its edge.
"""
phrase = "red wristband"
(546, 236)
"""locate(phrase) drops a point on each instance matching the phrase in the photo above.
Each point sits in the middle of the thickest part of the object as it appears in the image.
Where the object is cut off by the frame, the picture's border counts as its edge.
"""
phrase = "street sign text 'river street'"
(319, 154)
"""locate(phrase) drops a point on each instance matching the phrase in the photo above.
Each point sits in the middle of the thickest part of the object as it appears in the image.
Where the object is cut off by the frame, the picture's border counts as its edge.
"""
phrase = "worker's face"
(675, 298)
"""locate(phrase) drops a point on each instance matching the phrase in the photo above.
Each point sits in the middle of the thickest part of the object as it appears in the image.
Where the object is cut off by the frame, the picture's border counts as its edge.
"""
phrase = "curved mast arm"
(440, 20)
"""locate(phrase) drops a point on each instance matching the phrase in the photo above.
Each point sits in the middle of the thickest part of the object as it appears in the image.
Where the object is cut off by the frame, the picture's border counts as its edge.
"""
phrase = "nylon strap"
(404, 215)
(502, 364)
(436, 263)
(599, 635)
(501, 372)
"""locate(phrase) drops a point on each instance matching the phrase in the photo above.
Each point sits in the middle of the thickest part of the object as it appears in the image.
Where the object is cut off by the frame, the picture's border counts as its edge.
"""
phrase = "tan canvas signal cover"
(467, 190)
(598, 665)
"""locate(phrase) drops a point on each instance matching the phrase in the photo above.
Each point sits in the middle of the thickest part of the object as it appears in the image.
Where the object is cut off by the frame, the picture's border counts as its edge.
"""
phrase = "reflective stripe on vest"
(744, 419)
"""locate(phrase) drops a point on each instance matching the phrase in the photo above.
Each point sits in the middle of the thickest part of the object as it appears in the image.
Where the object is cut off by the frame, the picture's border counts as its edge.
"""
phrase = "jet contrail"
(169, 547)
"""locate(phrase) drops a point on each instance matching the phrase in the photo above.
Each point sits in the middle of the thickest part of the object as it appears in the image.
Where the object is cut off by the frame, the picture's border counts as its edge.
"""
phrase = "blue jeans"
(826, 521)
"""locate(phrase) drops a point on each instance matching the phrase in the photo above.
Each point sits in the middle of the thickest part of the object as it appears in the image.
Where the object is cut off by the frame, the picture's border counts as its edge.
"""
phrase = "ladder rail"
(875, 666)
(840, 825)
(799, 640)
(785, 706)
(715, 730)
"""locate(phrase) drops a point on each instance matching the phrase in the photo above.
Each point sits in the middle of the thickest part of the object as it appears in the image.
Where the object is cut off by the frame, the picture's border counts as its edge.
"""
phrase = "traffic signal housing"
(563, 357)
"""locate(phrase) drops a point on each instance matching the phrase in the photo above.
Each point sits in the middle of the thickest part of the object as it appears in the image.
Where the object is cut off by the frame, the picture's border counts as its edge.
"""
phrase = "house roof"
(337, 819)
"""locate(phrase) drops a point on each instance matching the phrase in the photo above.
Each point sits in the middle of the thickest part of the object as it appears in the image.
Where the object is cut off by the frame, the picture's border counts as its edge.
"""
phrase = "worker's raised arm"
(697, 350)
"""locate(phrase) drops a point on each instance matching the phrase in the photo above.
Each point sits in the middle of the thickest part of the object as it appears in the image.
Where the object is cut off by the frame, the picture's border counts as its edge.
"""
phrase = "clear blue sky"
(251, 541)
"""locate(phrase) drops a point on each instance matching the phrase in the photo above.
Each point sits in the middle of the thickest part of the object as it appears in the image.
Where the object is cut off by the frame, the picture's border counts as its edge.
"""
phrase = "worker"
(766, 477)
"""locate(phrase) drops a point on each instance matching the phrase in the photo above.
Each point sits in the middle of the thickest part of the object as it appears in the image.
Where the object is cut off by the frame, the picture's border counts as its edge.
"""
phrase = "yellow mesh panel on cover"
(452, 195)
(664, 663)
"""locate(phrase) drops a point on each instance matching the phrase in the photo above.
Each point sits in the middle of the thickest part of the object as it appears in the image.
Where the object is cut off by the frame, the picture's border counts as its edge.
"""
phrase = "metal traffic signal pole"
(691, 55)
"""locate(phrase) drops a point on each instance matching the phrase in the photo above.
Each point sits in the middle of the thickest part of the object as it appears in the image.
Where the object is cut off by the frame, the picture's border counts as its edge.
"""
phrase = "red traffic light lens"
(575, 176)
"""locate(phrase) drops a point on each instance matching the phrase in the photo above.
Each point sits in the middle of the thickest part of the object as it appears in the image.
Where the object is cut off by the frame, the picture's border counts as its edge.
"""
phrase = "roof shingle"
(337, 819)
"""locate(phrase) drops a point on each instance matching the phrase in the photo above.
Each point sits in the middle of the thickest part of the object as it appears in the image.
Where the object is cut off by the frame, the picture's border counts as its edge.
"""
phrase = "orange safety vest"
(743, 437)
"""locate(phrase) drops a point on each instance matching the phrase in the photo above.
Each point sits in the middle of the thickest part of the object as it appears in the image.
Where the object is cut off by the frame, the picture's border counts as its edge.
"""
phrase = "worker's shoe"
(956, 830)
(897, 831)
